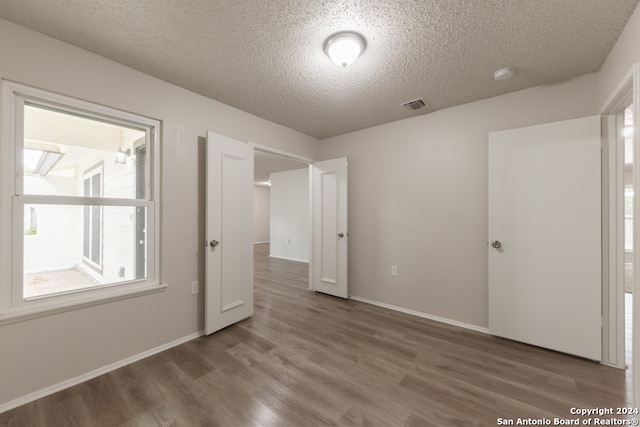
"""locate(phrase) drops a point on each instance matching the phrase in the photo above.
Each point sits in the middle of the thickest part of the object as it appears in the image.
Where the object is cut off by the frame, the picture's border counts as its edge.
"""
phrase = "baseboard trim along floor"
(423, 315)
(93, 374)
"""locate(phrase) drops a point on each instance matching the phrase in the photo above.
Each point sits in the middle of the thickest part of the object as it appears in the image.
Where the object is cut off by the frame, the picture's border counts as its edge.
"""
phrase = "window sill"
(15, 315)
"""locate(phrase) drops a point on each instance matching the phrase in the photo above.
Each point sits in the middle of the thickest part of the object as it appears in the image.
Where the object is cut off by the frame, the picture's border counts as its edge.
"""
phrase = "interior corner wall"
(44, 352)
(290, 215)
(261, 214)
(418, 198)
(625, 53)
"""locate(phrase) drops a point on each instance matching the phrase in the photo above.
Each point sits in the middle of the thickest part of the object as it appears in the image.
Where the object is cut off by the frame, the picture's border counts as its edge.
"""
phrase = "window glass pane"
(30, 221)
(60, 147)
(55, 258)
(95, 238)
(95, 185)
(628, 235)
(628, 202)
(86, 231)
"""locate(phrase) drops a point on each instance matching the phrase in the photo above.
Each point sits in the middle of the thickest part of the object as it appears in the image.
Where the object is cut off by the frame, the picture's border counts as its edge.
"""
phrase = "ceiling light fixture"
(345, 47)
(122, 156)
(503, 74)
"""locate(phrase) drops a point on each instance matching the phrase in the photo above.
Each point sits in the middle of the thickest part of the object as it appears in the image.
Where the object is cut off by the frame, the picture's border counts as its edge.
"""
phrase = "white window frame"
(13, 307)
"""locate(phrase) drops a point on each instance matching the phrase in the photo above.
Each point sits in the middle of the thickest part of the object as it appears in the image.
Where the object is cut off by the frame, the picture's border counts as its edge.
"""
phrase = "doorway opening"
(282, 217)
(619, 148)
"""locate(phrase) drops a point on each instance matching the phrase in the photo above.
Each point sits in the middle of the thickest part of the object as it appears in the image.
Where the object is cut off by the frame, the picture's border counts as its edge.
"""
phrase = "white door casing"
(545, 210)
(330, 227)
(229, 232)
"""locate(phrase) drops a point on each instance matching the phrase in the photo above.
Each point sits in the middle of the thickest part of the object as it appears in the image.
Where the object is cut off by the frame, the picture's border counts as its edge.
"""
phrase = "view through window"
(78, 232)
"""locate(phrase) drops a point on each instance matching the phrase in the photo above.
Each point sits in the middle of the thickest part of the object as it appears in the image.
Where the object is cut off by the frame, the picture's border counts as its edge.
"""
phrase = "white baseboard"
(93, 374)
(423, 315)
(289, 259)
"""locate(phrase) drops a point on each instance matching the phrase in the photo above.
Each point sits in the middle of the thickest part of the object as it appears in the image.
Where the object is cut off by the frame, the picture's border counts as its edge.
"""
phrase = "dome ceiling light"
(345, 47)
(504, 73)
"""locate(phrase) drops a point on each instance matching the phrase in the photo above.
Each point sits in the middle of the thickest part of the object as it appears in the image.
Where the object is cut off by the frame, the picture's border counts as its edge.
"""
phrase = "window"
(92, 220)
(84, 224)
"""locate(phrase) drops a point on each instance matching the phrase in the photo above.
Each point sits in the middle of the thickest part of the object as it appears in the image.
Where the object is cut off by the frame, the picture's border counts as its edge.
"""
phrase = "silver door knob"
(214, 243)
(496, 244)
(341, 235)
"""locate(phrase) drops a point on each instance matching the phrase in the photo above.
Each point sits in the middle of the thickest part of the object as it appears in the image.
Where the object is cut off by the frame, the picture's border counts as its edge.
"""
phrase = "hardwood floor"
(311, 359)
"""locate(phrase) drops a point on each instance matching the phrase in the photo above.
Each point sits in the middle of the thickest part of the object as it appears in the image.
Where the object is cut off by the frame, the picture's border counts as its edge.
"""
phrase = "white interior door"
(330, 227)
(229, 230)
(545, 210)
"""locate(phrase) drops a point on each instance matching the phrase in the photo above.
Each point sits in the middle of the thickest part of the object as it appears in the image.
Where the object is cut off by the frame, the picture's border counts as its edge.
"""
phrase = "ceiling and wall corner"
(622, 56)
(267, 58)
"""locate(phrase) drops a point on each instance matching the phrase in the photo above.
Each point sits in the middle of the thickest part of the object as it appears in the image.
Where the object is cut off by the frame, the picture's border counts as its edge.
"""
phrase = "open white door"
(229, 229)
(330, 227)
(545, 232)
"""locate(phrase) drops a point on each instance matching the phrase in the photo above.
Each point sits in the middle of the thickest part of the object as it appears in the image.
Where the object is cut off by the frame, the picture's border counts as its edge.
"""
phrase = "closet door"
(545, 236)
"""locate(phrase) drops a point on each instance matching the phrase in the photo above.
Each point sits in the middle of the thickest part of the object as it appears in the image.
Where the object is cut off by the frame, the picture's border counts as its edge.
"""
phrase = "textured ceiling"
(267, 58)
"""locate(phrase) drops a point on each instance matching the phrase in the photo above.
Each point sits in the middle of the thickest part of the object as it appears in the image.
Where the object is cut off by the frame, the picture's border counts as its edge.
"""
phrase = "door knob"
(496, 244)
(341, 235)
(214, 243)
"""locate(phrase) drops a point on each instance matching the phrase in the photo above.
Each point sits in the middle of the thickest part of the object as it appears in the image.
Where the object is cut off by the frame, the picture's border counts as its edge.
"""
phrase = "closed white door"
(229, 229)
(545, 236)
(330, 228)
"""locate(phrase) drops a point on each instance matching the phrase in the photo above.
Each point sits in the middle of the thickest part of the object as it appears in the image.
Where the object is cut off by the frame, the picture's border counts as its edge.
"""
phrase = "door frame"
(613, 325)
(309, 161)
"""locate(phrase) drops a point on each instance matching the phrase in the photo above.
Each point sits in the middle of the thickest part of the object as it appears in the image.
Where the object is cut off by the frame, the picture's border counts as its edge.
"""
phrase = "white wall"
(261, 215)
(418, 198)
(53, 246)
(290, 216)
(81, 341)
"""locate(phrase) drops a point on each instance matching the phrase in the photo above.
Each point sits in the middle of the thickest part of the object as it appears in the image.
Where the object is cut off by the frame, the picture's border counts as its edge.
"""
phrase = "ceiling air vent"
(416, 104)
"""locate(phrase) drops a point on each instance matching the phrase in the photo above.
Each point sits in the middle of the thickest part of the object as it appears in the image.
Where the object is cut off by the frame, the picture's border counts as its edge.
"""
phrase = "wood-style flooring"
(310, 359)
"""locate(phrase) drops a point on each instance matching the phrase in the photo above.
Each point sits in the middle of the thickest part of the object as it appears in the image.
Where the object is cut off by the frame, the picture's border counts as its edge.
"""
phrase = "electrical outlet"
(195, 288)
(394, 270)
